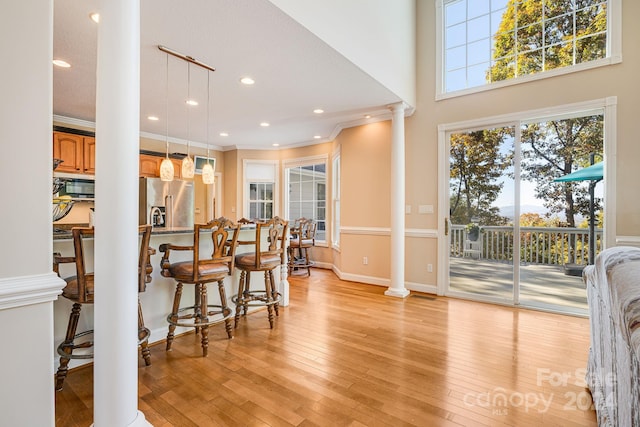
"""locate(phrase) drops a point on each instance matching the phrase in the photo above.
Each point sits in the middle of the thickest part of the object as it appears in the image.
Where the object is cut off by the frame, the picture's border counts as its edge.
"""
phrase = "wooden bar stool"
(303, 238)
(199, 271)
(266, 257)
(80, 290)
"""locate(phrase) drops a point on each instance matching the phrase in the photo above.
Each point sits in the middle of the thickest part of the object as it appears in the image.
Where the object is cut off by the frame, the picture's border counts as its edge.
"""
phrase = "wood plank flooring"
(343, 354)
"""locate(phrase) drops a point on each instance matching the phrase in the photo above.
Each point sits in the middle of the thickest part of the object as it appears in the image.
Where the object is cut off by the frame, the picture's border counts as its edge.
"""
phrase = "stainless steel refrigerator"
(166, 204)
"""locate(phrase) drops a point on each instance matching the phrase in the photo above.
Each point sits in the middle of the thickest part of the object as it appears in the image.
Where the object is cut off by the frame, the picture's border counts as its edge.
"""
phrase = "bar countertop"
(63, 231)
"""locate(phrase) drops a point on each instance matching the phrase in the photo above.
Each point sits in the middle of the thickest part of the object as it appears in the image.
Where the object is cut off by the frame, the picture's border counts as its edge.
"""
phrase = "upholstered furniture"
(303, 238)
(203, 268)
(613, 372)
(269, 247)
(80, 290)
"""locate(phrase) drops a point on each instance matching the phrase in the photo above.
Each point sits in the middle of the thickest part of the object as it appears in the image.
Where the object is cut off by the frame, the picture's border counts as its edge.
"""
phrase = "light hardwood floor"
(343, 354)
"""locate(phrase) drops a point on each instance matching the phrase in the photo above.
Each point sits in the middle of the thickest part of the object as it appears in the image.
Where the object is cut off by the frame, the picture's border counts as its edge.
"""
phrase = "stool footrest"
(191, 320)
(257, 298)
(86, 344)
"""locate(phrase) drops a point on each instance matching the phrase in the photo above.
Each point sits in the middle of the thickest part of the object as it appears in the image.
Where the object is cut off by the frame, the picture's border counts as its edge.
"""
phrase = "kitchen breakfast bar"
(157, 300)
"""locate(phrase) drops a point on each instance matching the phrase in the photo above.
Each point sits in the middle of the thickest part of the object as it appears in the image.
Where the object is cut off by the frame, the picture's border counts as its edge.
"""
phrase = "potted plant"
(473, 231)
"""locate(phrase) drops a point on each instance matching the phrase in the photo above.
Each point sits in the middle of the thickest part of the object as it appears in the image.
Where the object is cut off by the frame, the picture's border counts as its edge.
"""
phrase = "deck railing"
(538, 245)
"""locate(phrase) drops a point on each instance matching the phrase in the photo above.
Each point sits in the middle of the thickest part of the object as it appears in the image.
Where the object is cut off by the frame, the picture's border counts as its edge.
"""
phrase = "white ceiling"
(295, 73)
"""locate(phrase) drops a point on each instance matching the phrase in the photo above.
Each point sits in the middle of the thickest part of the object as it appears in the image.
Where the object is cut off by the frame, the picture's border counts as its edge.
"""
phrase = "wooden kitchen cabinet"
(89, 146)
(150, 166)
(177, 168)
(78, 153)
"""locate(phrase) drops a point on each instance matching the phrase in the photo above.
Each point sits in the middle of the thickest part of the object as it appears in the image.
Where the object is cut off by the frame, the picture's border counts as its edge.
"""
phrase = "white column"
(396, 288)
(116, 219)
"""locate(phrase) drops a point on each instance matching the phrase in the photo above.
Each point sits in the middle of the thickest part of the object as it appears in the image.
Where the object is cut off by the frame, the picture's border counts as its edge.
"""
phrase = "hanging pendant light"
(166, 167)
(208, 174)
(188, 168)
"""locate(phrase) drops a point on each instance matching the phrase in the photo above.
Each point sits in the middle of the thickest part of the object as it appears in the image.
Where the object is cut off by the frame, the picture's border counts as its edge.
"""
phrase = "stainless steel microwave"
(78, 188)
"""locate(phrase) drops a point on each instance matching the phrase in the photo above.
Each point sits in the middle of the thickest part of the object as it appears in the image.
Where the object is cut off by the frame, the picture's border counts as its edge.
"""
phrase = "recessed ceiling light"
(153, 118)
(247, 81)
(316, 137)
(264, 124)
(224, 134)
(95, 17)
(318, 111)
(192, 102)
(60, 63)
(275, 144)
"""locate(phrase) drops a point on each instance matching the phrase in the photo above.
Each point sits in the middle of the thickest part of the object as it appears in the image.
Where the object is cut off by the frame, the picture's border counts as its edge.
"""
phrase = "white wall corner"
(352, 28)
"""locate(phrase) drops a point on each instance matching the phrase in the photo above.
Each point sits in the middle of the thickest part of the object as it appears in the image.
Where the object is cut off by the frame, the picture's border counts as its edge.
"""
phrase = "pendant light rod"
(167, 111)
(208, 102)
(185, 57)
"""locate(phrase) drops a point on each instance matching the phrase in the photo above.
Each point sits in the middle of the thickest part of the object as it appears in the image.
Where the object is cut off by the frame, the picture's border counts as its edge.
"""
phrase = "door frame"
(606, 106)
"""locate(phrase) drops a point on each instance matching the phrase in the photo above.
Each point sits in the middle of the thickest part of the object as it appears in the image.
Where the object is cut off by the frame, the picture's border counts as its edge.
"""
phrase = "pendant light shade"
(166, 170)
(208, 174)
(188, 168)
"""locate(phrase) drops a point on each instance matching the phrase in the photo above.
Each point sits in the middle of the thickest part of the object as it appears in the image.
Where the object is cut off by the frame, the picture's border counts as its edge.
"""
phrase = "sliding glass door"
(517, 233)
(481, 187)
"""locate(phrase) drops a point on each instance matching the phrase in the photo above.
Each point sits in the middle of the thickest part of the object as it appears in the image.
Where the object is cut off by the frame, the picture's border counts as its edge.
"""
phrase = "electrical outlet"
(425, 209)
(365, 260)
(430, 268)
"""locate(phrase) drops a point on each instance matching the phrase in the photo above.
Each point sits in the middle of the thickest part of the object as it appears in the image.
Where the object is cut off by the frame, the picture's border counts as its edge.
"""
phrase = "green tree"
(476, 165)
(527, 44)
(556, 148)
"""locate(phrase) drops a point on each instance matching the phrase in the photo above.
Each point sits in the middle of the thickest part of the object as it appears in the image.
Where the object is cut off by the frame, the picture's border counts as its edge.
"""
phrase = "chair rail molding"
(386, 231)
(628, 241)
(26, 290)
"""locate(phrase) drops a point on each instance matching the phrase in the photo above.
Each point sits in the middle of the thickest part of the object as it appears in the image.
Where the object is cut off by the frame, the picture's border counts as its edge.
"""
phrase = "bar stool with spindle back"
(303, 238)
(80, 290)
(200, 271)
(266, 257)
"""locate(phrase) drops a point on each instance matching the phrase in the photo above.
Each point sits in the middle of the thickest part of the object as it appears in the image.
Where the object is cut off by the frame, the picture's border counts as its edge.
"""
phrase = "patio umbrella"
(593, 173)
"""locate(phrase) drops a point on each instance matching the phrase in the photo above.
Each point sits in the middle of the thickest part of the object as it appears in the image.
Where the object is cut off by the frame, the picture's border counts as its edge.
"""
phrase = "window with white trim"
(487, 41)
(260, 178)
(335, 199)
(306, 181)
(261, 200)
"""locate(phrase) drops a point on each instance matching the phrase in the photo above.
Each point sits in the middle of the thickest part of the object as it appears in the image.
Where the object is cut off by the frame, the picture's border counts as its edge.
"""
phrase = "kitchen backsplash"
(79, 214)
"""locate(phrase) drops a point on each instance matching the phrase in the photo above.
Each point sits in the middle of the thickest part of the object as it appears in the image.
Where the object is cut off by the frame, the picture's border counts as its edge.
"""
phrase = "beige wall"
(230, 181)
(616, 80)
(365, 155)
(234, 192)
(366, 152)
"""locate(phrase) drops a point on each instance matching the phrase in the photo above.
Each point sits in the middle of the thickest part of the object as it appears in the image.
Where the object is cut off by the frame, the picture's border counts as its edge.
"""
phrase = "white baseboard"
(421, 287)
